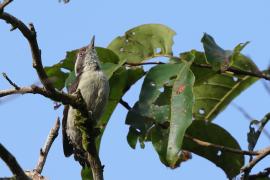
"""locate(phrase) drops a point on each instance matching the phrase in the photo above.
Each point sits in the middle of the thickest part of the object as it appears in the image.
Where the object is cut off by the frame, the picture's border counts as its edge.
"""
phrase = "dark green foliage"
(180, 97)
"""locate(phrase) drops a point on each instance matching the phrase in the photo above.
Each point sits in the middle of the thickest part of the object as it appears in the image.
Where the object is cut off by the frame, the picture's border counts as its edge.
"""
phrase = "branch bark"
(262, 154)
(45, 150)
(258, 74)
(222, 148)
(75, 100)
(12, 163)
(10, 81)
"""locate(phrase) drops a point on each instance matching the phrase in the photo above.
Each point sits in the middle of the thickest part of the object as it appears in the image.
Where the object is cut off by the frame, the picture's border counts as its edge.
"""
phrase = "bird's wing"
(67, 145)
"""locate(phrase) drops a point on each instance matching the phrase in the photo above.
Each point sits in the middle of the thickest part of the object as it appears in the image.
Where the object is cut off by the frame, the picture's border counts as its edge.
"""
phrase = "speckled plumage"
(94, 87)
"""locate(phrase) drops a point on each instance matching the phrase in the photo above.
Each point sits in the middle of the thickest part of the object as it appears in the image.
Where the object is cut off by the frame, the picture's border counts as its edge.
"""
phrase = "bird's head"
(87, 59)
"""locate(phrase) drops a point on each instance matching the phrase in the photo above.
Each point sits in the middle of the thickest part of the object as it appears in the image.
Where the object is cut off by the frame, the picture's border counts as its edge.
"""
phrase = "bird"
(93, 85)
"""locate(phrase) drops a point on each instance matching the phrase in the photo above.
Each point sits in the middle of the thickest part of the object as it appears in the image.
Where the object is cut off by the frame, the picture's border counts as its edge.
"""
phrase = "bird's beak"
(92, 44)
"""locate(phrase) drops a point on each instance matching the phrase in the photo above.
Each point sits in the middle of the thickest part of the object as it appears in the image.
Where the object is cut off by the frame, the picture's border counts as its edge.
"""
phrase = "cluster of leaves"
(177, 98)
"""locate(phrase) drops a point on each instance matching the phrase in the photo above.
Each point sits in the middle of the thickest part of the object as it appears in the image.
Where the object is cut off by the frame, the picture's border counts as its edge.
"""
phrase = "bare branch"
(12, 163)
(30, 35)
(262, 153)
(49, 91)
(46, 148)
(220, 147)
(4, 4)
(76, 100)
(95, 163)
(144, 63)
(125, 104)
(247, 116)
(243, 111)
(266, 86)
(10, 81)
(258, 74)
(264, 174)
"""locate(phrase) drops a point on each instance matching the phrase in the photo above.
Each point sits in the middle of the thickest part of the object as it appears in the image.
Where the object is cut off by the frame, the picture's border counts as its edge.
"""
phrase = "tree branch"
(64, 98)
(264, 174)
(220, 147)
(248, 117)
(48, 91)
(12, 163)
(46, 148)
(144, 63)
(4, 4)
(75, 100)
(236, 71)
(262, 153)
(10, 81)
(30, 35)
(125, 104)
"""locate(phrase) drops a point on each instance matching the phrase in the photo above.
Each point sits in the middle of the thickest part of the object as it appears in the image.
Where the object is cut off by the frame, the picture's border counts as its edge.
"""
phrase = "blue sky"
(26, 121)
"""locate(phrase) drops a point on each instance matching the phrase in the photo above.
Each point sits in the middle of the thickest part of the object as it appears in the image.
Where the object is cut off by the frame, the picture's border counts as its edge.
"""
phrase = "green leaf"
(143, 42)
(120, 83)
(182, 101)
(237, 50)
(56, 72)
(214, 91)
(110, 62)
(56, 76)
(70, 79)
(254, 134)
(215, 55)
(209, 132)
(166, 100)
(132, 137)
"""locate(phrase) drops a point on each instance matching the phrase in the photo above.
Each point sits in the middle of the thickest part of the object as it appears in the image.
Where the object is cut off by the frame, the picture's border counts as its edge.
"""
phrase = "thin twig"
(10, 81)
(125, 104)
(63, 98)
(220, 147)
(262, 153)
(46, 148)
(257, 74)
(49, 91)
(266, 86)
(144, 63)
(243, 111)
(236, 71)
(12, 163)
(30, 35)
(75, 100)
(264, 174)
(4, 4)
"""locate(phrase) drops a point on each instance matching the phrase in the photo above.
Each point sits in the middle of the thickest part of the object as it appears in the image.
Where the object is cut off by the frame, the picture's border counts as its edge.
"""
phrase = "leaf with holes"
(166, 99)
(229, 162)
(144, 42)
(214, 91)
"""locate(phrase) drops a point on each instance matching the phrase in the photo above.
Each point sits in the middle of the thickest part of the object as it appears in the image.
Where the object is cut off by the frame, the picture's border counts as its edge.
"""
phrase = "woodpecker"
(94, 88)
